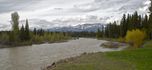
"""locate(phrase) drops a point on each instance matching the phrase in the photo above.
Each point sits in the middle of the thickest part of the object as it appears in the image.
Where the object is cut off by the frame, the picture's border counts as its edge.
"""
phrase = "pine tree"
(145, 23)
(136, 20)
(102, 31)
(110, 30)
(150, 23)
(35, 31)
(123, 26)
(22, 33)
(27, 32)
(41, 32)
(150, 27)
(115, 29)
(98, 34)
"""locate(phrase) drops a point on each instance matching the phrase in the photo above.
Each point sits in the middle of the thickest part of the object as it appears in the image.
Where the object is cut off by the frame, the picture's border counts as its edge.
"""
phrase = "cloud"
(70, 12)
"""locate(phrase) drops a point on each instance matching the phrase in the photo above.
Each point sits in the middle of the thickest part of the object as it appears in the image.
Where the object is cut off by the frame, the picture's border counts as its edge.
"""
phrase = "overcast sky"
(52, 13)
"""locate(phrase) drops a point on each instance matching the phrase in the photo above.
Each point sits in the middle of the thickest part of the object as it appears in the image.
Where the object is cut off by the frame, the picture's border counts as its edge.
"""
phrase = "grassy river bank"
(129, 59)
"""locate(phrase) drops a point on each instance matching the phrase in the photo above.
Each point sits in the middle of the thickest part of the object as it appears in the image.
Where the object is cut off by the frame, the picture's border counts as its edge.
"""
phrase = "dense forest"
(132, 28)
(128, 22)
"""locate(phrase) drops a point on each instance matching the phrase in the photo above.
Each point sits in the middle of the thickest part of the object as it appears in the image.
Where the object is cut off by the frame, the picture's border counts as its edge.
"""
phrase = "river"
(36, 56)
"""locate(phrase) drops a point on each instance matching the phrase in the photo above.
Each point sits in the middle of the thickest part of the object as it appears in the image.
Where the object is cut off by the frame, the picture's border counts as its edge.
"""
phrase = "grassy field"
(130, 59)
(140, 58)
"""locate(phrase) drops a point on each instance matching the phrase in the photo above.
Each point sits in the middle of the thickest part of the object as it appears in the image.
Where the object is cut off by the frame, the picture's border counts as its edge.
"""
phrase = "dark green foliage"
(15, 27)
(27, 31)
(39, 32)
(112, 30)
(40, 36)
(150, 27)
(129, 22)
(24, 36)
(34, 31)
(22, 33)
(15, 21)
(11, 37)
(99, 34)
(123, 26)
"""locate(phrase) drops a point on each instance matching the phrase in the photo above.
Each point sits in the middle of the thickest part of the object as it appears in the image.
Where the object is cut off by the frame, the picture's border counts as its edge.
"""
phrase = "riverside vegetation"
(24, 36)
(134, 29)
(136, 57)
(130, 59)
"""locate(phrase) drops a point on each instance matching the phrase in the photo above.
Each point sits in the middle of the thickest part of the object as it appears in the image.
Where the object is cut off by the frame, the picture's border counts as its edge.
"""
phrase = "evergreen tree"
(150, 23)
(123, 26)
(98, 34)
(107, 31)
(27, 32)
(136, 20)
(145, 22)
(150, 27)
(35, 32)
(41, 32)
(22, 34)
(102, 31)
(115, 30)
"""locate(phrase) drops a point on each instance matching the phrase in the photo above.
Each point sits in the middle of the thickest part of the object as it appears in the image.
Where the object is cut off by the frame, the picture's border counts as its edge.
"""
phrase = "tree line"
(128, 22)
(24, 36)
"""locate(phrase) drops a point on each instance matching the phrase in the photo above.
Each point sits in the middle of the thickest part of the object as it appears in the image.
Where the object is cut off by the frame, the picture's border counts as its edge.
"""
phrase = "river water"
(36, 56)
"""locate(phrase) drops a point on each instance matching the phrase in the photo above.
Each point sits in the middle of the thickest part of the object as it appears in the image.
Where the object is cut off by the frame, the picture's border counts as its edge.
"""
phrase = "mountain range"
(79, 28)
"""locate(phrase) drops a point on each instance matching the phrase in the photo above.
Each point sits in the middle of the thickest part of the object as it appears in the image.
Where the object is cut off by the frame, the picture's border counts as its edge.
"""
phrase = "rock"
(111, 45)
(50, 66)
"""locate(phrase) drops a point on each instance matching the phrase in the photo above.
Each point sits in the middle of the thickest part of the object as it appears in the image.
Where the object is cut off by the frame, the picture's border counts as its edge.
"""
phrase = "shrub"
(121, 39)
(4, 37)
(135, 37)
(37, 39)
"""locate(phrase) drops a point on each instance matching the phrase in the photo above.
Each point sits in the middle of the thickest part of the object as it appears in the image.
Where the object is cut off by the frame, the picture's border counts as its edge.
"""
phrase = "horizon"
(60, 13)
(75, 34)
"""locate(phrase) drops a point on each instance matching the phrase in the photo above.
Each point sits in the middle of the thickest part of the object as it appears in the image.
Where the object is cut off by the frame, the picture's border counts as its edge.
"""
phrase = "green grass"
(130, 59)
(94, 61)
(141, 58)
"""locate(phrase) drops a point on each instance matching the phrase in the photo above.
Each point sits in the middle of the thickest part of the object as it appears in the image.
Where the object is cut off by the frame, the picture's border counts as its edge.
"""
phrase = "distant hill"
(79, 28)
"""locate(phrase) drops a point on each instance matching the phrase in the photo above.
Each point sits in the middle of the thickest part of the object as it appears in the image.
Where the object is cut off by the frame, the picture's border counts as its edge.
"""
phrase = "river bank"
(129, 59)
(115, 46)
(41, 55)
(29, 43)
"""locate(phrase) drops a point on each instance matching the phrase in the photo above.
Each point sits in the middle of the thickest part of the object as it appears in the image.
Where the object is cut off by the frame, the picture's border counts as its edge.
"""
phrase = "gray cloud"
(13, 5)
(69, 12)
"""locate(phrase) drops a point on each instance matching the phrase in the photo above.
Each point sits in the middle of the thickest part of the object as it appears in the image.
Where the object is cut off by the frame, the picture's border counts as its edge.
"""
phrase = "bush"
(135, 37)
(121, 39)
(4, 37)
(37, 39)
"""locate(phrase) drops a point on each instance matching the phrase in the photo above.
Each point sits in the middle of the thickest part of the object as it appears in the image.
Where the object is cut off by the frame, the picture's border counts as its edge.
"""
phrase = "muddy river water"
(36, 56)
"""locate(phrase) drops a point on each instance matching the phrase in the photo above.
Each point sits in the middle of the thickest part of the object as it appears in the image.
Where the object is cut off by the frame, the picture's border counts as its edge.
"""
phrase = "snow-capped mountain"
(79, 28)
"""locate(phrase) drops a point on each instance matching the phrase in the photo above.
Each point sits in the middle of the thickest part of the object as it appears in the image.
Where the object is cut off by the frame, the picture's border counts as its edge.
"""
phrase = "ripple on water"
(36, 56)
